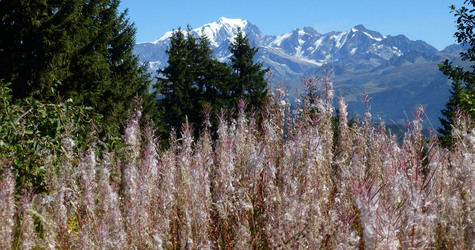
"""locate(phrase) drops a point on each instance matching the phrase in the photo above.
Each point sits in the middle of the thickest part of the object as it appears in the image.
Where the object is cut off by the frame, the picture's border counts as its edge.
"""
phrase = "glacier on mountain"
(302, 49)
(363, 61)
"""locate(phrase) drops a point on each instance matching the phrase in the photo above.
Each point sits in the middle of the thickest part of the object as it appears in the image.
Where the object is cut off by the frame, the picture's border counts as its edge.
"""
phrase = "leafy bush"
(33, 133)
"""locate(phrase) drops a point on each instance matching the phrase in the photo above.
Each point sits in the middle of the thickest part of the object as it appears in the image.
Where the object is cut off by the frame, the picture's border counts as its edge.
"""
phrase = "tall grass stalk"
(280, 179)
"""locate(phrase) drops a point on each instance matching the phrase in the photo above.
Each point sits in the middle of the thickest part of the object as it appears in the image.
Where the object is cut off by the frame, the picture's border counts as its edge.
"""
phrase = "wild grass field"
(293, 178)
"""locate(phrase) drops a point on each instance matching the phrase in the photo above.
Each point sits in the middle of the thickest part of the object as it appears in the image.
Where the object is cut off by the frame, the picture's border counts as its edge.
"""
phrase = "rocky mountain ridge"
(399, 73)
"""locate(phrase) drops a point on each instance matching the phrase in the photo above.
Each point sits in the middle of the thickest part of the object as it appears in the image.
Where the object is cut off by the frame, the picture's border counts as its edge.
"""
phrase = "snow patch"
(214, 31)
(278, 40)
(224, 26)
(340, 38)
(311, 61)
(372, 37)
(236, 22)
(164, 37)
(155, 65)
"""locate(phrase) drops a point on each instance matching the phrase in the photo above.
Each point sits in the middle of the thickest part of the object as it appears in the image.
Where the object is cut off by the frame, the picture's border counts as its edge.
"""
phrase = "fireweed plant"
(285, 182)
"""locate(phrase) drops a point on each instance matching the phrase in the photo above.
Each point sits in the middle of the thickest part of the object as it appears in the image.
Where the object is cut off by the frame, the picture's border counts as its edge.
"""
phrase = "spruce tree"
(82, 49)
(463, 81)
(460, 86)
(249, 81)
(211, 76)
(176, 81)
(192, 79)
(34, 43)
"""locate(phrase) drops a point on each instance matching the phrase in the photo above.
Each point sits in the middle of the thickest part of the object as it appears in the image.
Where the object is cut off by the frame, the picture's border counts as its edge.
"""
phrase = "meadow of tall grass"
(288, 179)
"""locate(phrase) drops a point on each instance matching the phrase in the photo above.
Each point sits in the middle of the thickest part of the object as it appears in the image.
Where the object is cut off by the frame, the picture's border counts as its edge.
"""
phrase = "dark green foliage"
(194, 79)
(456, 101)
(31, 129)
(248, 81)
(462, 97)
(83, 49)
(177, 81)
(212, 77)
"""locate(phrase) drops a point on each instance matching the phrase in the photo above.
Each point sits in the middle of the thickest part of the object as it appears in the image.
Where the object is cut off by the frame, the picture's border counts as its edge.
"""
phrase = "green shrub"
(33, 133)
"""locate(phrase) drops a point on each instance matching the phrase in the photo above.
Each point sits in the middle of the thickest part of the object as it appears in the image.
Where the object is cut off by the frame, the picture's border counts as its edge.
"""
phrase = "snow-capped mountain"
(220, 34)
(299, 52)
(398, 73)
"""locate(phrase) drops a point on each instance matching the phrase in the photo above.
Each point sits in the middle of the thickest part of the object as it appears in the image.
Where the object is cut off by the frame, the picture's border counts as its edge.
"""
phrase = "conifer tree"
(248, 77)
(192, 79)
(463, 81)
(176, 81)
(83, 49)
(460, 86)
(212, 77)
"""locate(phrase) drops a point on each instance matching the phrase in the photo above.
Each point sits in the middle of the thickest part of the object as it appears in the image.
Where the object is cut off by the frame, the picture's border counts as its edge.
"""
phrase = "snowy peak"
(309, 45)
(297, 36)
(369, 33)
(311, 31)
(237, 22)
(294, 41)
(221, 30)
(299, 51)
(363, 60)
(360, 27)
(220, 34)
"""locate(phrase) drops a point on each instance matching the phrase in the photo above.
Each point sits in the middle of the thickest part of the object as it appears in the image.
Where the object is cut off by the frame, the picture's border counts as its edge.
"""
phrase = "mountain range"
(398, 73)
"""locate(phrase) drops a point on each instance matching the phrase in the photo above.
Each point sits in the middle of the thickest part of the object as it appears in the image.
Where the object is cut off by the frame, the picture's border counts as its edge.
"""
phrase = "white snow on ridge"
(372, 37)
(318, 44)
(236, 22)
(340, 38)
(163, 38)
(278, 40)
(301, 34)
(212, 30)
(311, 61)
(303, 47)
(368, 35)
(397, 51)
(155, 65)
(298, 52)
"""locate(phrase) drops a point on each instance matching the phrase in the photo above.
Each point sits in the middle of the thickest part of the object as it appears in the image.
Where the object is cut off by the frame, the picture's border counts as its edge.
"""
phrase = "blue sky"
(428, 20)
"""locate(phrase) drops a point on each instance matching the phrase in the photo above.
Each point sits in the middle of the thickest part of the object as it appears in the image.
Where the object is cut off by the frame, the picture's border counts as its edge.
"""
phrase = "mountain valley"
(398, 74)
